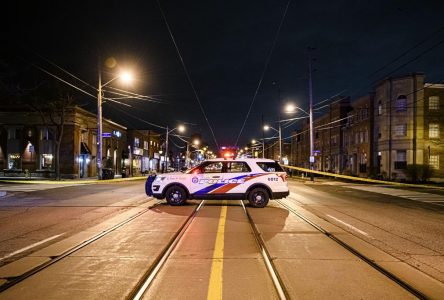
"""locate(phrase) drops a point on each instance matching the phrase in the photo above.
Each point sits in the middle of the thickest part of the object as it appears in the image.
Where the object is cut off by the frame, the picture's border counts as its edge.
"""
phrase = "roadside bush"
(420, 173)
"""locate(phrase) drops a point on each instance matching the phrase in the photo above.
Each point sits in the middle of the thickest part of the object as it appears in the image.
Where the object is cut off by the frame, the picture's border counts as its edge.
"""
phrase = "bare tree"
(53, 114)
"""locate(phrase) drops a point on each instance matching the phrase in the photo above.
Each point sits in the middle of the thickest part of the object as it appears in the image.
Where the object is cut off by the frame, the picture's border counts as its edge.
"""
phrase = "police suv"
(256, 180)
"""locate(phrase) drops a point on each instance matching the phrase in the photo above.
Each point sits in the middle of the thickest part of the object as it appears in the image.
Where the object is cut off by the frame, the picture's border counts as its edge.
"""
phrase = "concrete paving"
(106, 269)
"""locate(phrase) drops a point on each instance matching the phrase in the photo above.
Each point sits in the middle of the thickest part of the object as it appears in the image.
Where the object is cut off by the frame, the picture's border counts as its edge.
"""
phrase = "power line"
(267, 61)
(187, 74)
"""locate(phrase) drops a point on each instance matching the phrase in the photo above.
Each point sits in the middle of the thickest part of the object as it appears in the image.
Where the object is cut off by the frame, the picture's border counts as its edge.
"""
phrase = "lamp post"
(180, 128)
(267, 127)
(126, 77)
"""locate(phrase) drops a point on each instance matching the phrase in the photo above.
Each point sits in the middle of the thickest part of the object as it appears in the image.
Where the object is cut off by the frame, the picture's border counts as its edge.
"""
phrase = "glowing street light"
(180, 128)
(126, 78)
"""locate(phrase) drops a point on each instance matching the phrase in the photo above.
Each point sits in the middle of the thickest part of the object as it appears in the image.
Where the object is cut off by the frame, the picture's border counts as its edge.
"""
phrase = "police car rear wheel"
(176, 195)
(258, 197)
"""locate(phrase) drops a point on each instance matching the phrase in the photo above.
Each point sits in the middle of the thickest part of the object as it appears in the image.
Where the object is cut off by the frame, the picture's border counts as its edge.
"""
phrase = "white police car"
(256, 180)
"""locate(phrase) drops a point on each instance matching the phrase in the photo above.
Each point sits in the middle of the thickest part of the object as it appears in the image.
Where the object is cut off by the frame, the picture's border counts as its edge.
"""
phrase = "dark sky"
(225, 45)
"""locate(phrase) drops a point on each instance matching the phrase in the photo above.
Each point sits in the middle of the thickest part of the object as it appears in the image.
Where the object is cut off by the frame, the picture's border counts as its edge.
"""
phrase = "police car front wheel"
(176, 195)
(258, 197)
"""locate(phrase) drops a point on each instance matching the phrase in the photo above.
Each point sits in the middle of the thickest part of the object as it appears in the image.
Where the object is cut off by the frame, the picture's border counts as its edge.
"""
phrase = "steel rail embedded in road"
(361, 256)
(149, 276)
(278, 284)
(56, 259)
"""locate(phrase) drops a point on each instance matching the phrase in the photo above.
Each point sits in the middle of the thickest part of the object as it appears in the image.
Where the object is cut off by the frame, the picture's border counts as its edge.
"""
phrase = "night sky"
(225, 45)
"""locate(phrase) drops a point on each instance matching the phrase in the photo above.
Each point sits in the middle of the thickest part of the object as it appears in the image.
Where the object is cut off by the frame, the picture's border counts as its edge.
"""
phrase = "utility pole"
(310, 95)
(263, 138)
(166, 151)
(99, 127)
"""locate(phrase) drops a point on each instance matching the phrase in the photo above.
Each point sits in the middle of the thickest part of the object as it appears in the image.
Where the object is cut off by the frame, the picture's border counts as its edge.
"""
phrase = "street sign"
(312, 159)
(106, 134)
(31, 148)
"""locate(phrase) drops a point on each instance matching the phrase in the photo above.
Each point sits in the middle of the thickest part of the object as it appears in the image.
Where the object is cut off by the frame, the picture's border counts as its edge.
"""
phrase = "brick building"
(396, 127)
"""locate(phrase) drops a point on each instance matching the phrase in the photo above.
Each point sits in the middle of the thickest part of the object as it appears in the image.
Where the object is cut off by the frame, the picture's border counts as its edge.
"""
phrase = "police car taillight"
(283, 176)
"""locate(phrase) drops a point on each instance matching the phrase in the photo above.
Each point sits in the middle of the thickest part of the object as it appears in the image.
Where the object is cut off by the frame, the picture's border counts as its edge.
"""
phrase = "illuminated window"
(401, 130)
(433, 130)
(136, 142)
(145, 145)
(47, 160)
(401, 104)
(14, 160)
(433, 102)
(434, 161)
(379, 108)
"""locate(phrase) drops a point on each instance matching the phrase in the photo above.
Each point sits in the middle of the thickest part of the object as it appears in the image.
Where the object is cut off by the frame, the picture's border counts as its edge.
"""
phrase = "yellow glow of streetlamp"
(181, 128)
(266, 127)
(246, 148)
(196, 142)
(253, 141)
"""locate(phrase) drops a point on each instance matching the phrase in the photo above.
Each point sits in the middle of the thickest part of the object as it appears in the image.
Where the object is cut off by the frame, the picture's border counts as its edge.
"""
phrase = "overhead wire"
(267, 61)
(187, 73)
(404, 53)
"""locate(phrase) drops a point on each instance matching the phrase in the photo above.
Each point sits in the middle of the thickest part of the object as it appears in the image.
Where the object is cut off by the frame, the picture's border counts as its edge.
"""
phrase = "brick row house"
(27, 146)
(380, 134)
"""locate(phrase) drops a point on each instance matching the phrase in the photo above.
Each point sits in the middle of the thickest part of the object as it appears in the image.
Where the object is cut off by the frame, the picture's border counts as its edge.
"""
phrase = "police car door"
(235, 177)
(208, 178)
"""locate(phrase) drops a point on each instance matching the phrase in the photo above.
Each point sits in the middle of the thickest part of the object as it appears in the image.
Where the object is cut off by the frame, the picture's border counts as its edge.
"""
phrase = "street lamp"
(126, 78)
(267, 127)
(180, 128)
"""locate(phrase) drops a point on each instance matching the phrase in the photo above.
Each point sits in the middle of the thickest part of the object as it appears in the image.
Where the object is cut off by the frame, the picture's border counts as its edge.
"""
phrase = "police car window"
(237, 167)
(270, 167)
(215, 167)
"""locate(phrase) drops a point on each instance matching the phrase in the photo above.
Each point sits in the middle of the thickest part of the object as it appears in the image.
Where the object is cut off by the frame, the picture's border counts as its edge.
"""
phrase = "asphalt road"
(410, 230)
(32, 214)
(218, 256)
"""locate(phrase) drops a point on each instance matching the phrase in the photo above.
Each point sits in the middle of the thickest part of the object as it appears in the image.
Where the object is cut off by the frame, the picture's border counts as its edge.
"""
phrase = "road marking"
(32, 246)
(350, 226)
(215, 286)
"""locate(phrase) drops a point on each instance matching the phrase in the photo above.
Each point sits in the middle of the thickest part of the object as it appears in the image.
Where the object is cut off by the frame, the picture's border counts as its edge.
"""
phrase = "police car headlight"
(159, 179)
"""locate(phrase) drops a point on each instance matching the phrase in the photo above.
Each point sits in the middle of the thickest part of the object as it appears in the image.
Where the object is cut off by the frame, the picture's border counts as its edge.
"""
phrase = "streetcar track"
(277, 281)
(140, 288)
(54, 259)
(358, 254)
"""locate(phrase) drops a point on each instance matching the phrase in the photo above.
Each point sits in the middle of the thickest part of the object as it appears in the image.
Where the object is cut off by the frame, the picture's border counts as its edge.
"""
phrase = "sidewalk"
(90, 180)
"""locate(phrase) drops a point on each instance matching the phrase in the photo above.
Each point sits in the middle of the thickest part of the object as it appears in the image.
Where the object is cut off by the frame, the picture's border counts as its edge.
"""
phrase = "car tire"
(258, 197)
(176, 195)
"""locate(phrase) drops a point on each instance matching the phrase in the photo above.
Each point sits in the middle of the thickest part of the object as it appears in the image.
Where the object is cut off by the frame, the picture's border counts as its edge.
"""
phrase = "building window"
(14, 160)
(364, 113)
(434, 161)
(401, 130)
(401, 159)
(433, 130)
(379, 108)
(47, 160)
(45, 134)
(136, 142)
(366, 136)
(13, 134)
(433, 102)
(145, 145)
(401, 103)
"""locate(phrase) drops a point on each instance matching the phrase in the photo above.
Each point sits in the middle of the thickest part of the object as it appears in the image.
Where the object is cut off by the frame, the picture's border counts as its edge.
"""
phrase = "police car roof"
(242, 159)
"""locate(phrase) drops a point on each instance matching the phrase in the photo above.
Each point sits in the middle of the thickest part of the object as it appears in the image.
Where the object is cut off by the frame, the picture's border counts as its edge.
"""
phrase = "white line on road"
(31, 246)
(350, 226)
